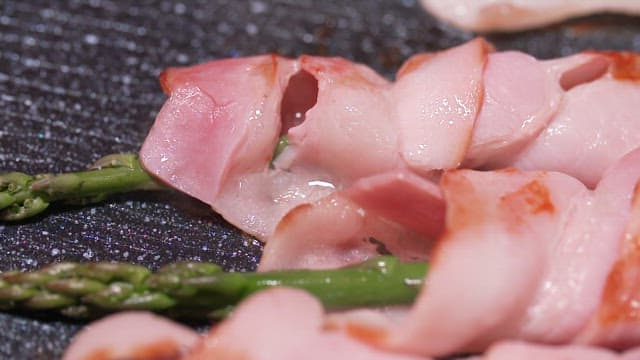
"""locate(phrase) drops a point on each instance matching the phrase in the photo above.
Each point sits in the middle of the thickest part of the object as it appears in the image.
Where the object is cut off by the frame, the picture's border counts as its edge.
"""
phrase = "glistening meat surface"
(284, 324)
(529, 256)
(132, 335)
(215, 136)
(514, 15)
(534, 256)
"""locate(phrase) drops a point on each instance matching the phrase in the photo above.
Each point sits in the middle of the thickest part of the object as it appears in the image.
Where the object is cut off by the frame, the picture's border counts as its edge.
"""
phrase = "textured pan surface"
(78, 79)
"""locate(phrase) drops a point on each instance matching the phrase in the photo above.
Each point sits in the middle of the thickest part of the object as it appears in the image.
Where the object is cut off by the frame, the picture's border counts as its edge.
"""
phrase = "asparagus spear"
(23, 196)
(199, 290)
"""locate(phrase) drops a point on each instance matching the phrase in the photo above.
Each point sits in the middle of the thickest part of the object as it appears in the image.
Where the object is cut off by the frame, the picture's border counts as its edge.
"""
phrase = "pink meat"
(596, 123)
(283, 324)
(131, 335)
(514, 15)
(527, 255)
(237, 109)
(402, 197)
(347, 126)
(490, 261)
(350, 123)
(616, 323)
(334, 232)
(580, 260)
(519, 100)
(437, 99)
(256, 202)
(227, 109)
(510, 350)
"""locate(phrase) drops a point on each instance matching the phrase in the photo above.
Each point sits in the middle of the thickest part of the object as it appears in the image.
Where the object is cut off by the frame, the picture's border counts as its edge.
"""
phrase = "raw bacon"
(514, 15)
(509, 350)
(534, 256)
(283, 324)
(215, 136)
(542, 250)
(131, 335)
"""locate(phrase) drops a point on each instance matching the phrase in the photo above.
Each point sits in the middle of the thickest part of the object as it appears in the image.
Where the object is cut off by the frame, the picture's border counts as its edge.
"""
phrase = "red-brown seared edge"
(625, 65)
(530, 199)
(621, 295)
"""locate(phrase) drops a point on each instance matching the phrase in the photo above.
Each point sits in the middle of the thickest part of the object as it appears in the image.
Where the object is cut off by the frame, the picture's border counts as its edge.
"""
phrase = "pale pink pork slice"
(334, 231)
(487, 266)
(222, 119)
(520, 97)
(214, 138)
(534, 256)
(437, 98)
(350, 131)
(510, 350)
(131, 335)
(616, 323)
(514, 15)
(283, 324)
(596, 123)
(581, 257)
(403, 197)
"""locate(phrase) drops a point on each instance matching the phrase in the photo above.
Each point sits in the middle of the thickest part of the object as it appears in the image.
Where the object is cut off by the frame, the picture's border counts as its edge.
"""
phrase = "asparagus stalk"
(23, 196)
(191, 290)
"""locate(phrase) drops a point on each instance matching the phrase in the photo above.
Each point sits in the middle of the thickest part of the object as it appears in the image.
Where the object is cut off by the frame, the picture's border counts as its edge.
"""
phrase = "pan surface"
(78, 79)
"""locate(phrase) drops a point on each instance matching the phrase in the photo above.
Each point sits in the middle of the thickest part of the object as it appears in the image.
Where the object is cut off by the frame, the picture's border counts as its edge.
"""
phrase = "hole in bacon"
(584, 73)
(300, 95)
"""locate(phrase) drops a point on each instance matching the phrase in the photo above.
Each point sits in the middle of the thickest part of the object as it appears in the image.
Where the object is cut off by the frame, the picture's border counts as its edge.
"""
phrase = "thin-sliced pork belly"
(220, 121)
(403, 197)
(487, 266)
(520, 97)
(580, 257)
(349, 132)
(437, 99)
(526, 255)
(616, 323)
(256, 202)
(215, 137)
(131, 335)
(596, 124)
(283, 324)
(334, 232)
(515, 15)
(510, 350)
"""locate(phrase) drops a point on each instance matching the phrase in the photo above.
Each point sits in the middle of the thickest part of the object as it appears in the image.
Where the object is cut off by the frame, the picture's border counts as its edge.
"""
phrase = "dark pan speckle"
(78, 79)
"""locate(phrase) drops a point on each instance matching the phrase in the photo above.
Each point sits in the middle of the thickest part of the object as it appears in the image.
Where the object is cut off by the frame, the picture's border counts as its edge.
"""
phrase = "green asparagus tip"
(23, 196)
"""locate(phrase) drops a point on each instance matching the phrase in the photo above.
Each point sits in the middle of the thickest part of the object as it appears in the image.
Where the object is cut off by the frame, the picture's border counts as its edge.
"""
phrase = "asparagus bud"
(23, 196)
(200, 290)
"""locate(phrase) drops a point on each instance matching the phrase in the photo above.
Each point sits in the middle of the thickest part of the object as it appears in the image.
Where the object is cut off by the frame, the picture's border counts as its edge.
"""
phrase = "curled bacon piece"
(463, 107)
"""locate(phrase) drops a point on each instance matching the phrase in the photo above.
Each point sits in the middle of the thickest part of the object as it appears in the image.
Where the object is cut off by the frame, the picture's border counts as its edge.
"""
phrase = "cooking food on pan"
(514, 15)
(286, 324)
(528, 256)
(514, 178)
(463, 107)
(531, 256)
